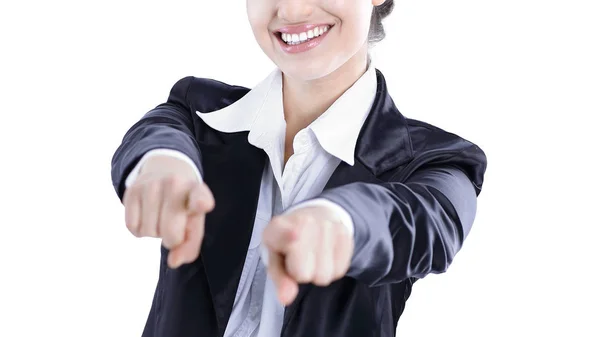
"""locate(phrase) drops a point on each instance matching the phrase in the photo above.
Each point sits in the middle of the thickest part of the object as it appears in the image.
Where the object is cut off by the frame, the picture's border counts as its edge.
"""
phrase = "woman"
(306, 206)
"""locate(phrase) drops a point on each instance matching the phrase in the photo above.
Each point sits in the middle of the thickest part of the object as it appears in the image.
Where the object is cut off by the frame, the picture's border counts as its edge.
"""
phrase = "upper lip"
(297, 29)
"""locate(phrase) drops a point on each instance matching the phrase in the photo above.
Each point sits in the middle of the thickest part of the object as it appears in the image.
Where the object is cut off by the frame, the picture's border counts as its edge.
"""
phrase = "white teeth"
(293, 39)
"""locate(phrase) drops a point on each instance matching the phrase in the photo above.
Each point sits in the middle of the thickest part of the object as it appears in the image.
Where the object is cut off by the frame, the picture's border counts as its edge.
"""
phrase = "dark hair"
(376, 32)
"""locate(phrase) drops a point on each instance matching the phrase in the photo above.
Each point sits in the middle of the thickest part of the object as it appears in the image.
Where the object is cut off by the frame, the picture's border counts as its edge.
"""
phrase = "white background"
(521, 78)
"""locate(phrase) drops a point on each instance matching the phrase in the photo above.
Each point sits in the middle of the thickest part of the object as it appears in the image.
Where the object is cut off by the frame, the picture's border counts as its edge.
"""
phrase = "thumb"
(200, 199)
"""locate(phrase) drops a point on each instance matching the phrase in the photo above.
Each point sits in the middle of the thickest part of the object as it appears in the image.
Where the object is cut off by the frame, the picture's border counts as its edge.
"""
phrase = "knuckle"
(305, 218)
(143, 232)
(295, 272)
(265, 235)
(299, 271)
(341, 235)
(151, 189)
(275, 224)
(130, 226)
(132, 229)
(267, 239)
(133, 190)
(149, 229)
(327, 226)
(173, 183)
(155, 186)
(309, 221)
(277, 220)
(322, 280)
(166, 233)
(340, 271)
(147, 232)
(174, 234)
(137, 192)
(127, 195)
(169, 182)
(304, 277)
(167, 243)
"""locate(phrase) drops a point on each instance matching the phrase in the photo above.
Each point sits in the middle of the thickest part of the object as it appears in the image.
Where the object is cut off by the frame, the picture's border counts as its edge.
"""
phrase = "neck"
(305, 101)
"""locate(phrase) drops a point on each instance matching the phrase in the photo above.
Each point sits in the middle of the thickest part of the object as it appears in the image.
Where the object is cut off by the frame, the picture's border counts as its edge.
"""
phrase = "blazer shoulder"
(427, 137)
(207, 94)
(435, 146)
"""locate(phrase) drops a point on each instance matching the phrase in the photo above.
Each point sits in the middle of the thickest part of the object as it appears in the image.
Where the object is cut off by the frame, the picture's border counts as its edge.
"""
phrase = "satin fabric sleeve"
(169, 126)
(409, 229)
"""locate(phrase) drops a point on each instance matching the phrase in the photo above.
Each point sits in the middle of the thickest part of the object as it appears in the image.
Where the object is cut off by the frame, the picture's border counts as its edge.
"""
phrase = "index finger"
(287, 288)
(189, 249)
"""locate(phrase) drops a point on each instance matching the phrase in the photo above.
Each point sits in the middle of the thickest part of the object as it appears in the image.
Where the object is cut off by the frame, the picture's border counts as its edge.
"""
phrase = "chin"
(306, 70)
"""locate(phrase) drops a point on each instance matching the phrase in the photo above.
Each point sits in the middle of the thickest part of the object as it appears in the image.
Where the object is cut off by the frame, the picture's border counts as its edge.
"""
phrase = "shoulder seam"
(191, 78)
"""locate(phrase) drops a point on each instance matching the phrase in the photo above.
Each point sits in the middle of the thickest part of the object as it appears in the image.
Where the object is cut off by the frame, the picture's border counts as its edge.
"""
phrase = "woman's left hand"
(308, 245)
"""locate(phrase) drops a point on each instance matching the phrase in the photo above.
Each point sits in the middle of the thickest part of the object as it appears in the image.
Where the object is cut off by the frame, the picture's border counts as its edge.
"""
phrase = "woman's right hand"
(167, 201)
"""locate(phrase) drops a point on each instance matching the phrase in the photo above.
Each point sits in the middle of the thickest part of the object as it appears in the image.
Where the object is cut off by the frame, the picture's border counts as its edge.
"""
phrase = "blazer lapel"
(233, 173)
(383, 144)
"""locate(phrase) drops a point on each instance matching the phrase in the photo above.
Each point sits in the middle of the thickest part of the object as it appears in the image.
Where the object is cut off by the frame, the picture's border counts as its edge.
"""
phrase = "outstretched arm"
(398, 230)
(169, 126)
(409, 229)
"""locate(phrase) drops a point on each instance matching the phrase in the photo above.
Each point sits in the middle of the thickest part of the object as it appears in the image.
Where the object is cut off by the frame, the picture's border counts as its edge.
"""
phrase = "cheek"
(258, 18)
(353, 35)
(253, 8)
(362, 16)
(355, 16)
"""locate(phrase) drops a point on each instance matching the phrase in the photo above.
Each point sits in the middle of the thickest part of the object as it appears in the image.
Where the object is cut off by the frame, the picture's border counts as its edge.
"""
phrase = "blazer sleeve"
(169, 126)
(413, 227)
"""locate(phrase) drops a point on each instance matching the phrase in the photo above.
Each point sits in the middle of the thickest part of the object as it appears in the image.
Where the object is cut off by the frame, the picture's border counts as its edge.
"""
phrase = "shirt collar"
(338, 128)
(260, 112)
(242, 114)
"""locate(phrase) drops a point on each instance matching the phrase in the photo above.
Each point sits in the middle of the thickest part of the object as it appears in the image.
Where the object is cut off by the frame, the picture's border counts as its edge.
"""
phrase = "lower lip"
(302, 47)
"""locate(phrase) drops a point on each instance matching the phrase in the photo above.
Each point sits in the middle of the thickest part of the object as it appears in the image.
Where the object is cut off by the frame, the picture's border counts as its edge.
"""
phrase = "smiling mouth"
(293, 39)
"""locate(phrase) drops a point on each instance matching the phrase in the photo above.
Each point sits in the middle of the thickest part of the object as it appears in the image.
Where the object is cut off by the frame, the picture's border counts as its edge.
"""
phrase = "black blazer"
(403, 193)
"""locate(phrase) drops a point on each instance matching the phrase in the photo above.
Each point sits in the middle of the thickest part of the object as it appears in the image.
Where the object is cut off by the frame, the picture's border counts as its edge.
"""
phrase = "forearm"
(410, 229)
(168, 127)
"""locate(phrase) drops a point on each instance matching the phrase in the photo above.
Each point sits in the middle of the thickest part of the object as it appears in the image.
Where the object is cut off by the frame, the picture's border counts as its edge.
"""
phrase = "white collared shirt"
(318, 149)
